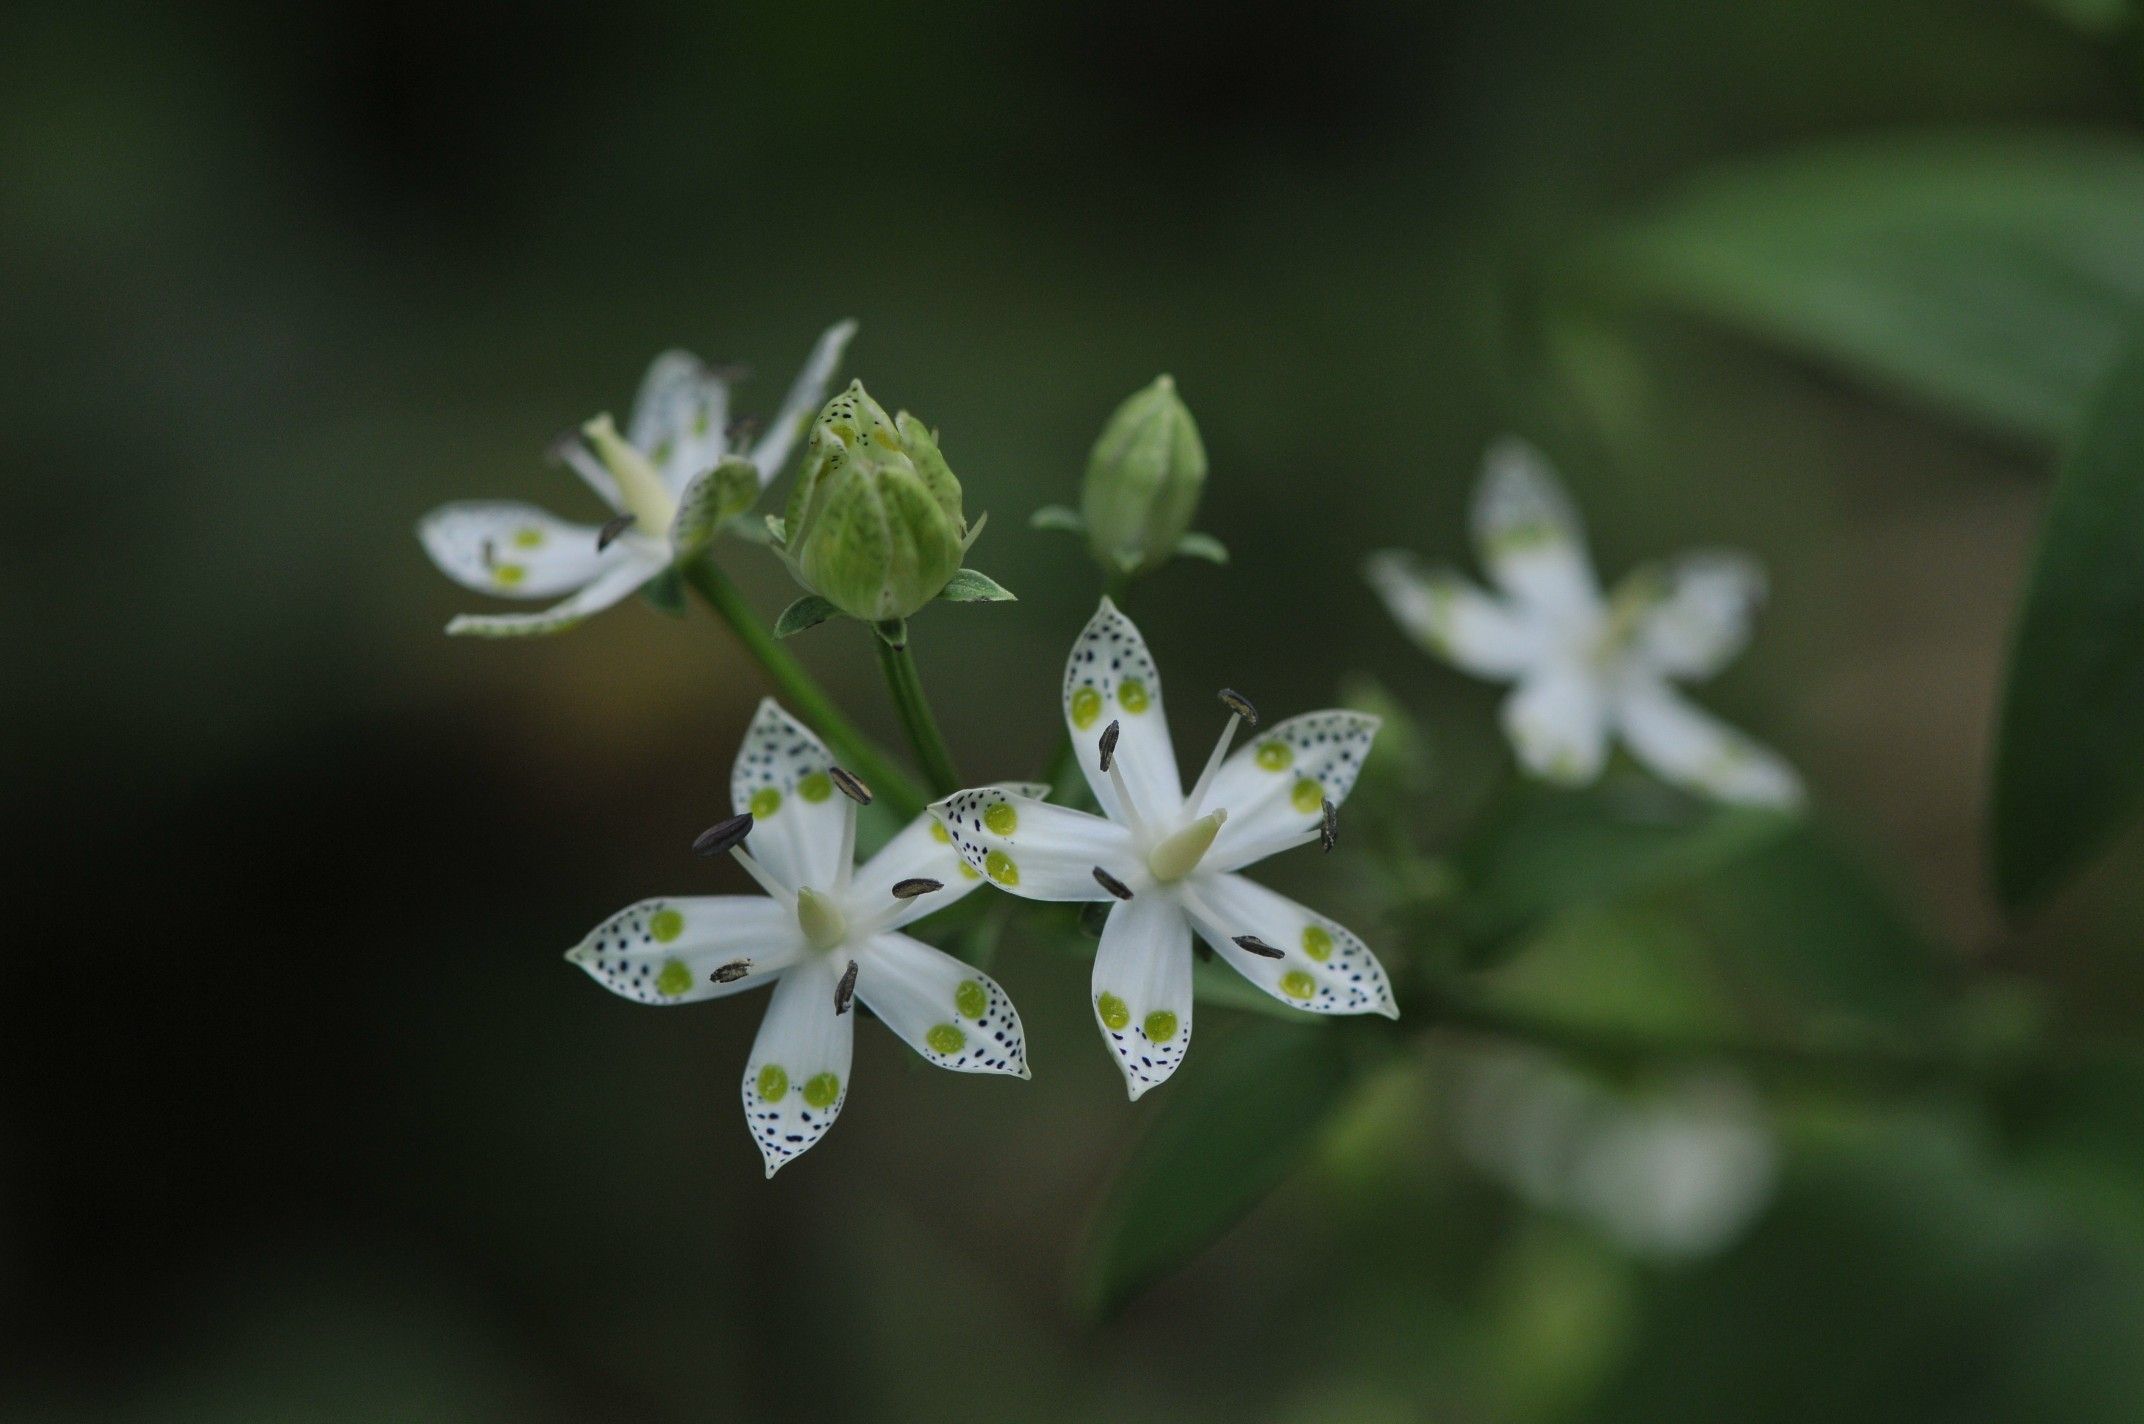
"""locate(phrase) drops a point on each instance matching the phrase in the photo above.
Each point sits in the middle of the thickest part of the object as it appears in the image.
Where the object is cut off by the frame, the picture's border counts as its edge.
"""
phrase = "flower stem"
(803, 696)
(915, 709)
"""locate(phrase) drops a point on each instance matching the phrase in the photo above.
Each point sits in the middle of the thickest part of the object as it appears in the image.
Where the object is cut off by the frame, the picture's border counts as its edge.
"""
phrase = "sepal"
(972, 586)
(807, 612)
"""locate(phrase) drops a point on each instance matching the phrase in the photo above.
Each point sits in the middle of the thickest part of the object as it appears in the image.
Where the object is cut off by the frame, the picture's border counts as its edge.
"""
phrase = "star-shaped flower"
(1167, 861)
(677, 473)
(826, 934)
(1587, 666)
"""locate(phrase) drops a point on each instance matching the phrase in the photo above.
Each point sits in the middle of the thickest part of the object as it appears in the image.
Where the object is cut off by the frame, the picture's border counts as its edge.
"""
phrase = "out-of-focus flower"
(825, 935)
(1587, 666)
(678, 472)
(1166, 861)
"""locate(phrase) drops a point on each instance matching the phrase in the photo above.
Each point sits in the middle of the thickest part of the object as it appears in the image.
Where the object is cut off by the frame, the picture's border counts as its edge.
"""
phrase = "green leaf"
(666, 591)
(1202, 546)
(2094, 17)
(807, 612)
(1232, 1125)
(2069, 760)
(1056, 516)
(1993, 275)
(969, 586)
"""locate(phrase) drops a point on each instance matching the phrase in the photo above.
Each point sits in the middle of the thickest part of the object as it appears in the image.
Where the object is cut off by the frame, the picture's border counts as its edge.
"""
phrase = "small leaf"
(666, 591)
(1202, 546)
(807, 612)
(2069, 762)
(1231, 1128)
(778, 529)
(1057, 516)
(969, 586)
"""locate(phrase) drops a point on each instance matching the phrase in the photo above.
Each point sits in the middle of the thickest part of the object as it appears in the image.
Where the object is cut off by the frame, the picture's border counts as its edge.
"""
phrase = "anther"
(852, 788)
(1110, 883)
(845, 991)
(610, 532)
(723, 835)
(488, 554)
(1252, 944)
(731, 972)
(1237, 703)
(741, 430)
(1329, 825)
(1109, 743)
(910, 889)
(1093, 915)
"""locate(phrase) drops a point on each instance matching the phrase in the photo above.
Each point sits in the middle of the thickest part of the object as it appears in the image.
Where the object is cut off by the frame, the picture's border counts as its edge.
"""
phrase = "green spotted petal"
(667, 951)
(1324, 967)
(951, 1013)
(781, 777)
(614, 584)
(797, 1078)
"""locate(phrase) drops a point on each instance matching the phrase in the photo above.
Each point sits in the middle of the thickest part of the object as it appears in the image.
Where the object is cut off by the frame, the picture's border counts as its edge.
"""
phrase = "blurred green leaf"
(1991, 274)
(2070, 752)
(2094, 17)
(1229, 1130)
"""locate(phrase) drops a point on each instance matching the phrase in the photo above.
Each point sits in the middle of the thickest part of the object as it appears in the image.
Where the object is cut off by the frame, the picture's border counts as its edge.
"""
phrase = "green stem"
(799, 692)
(915, 709)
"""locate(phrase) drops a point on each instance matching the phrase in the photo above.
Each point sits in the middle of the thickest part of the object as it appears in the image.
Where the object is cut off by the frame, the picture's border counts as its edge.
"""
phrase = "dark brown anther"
(1109, 743)
(1252, 944)
(731, 972)
(1092, 916)
(741, 431)
(610, 532)
(910, 889)
(1110, 883)
(1237, 703)
(723, 835)
(1329, 825)
(852, 788)
(488, 555)
(1203, 950)
(845, 991)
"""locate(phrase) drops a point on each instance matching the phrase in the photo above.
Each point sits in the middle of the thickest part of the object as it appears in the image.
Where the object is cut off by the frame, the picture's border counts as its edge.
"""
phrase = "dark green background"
(306, 1118)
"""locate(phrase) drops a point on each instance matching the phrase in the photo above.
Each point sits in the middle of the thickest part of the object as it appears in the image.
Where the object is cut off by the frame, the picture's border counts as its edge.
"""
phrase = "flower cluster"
(874, 531)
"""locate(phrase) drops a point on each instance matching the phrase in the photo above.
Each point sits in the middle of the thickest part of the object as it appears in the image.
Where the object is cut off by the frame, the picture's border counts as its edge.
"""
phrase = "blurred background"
(307, 1118)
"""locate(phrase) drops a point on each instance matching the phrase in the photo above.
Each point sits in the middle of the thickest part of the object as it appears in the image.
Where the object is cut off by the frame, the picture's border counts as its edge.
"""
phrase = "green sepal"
(1057, 516)
(778, 529)
(1202, 546)
(711, 500)
(666, 591)
(893, 632)
(807, 612)
(971, 586)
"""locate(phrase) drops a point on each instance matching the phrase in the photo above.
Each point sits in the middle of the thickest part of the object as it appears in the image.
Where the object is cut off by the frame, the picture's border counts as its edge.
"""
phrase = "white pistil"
(640, 489)
(1213, 763)
(1178, 854)
(820, 917)
(774, 888)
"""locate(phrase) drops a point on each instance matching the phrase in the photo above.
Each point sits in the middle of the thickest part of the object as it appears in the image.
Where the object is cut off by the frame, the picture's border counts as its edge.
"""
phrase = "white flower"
(672, 478)
(825, 933)
(1167, 861)
(1587, 666)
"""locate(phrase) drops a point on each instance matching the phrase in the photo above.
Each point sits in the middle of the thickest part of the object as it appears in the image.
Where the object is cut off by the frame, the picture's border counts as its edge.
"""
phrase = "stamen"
(1329, 827)
(910, 889)
(758, 872)
(610, 532)
(1132, 818)
(1110, 883)
(1239, 710)
(723, 835)
(845, 868)
(1237, 703)
(731, 972)
(1252, 944)
(1109, 743)
(845, 991)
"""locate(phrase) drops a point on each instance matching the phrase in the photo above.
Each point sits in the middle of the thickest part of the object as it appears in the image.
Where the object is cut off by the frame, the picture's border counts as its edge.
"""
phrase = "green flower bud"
(874, 524)
(1143, 481)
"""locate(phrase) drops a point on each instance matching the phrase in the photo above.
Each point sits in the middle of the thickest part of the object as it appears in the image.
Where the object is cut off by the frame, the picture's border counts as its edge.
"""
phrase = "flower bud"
(874, 524)
(1143, 480)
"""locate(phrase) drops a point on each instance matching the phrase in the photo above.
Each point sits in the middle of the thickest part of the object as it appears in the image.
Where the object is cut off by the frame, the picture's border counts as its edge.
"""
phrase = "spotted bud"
(874, 523)
(1143, 481)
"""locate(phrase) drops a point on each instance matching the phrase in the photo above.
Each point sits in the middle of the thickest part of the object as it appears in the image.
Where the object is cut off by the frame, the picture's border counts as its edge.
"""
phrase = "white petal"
(1692, 748)
(922, 851)
(952, 1013)
(1275, 785)
(680, 418)
(798, 1075)
(513, 550)
(1700, 618)
(666, 951)
(1557, 719)
(1452, 618)
(780, 776)
(1111, 677)
(806, 394)
(1325, 967)
(612, 585)
(1529, 534)
(1034, 849)
(1142, 987)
